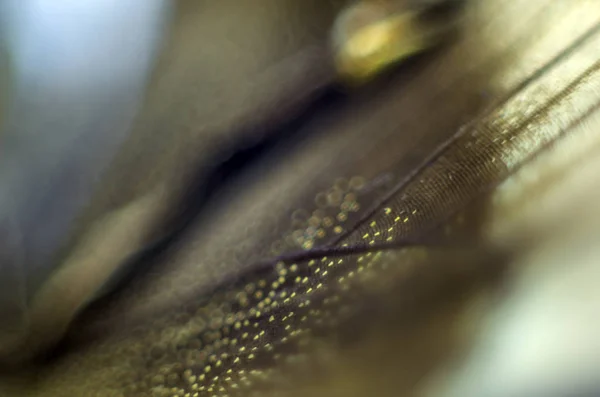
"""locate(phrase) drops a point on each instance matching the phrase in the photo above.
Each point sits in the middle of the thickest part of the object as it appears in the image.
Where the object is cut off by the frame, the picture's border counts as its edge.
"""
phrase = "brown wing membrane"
(361, 260)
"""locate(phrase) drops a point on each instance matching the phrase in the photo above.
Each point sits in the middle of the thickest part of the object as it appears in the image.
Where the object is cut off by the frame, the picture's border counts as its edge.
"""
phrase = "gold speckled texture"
(218, 319)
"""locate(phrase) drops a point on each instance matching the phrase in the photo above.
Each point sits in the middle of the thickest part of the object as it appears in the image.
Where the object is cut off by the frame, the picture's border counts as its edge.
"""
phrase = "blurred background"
(73, 76)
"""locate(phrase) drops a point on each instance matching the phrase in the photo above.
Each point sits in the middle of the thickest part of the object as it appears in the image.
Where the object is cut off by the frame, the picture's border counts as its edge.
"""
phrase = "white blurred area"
(69, 43)
(542, 340)
(541, 337)
(77, 72)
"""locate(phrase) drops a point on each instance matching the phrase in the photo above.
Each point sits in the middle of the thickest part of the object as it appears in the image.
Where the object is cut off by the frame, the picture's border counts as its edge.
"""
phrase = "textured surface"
(403, 160)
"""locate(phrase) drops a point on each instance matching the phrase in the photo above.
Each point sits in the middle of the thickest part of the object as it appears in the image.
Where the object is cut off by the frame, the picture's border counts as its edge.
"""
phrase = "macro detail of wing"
(403, 162)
